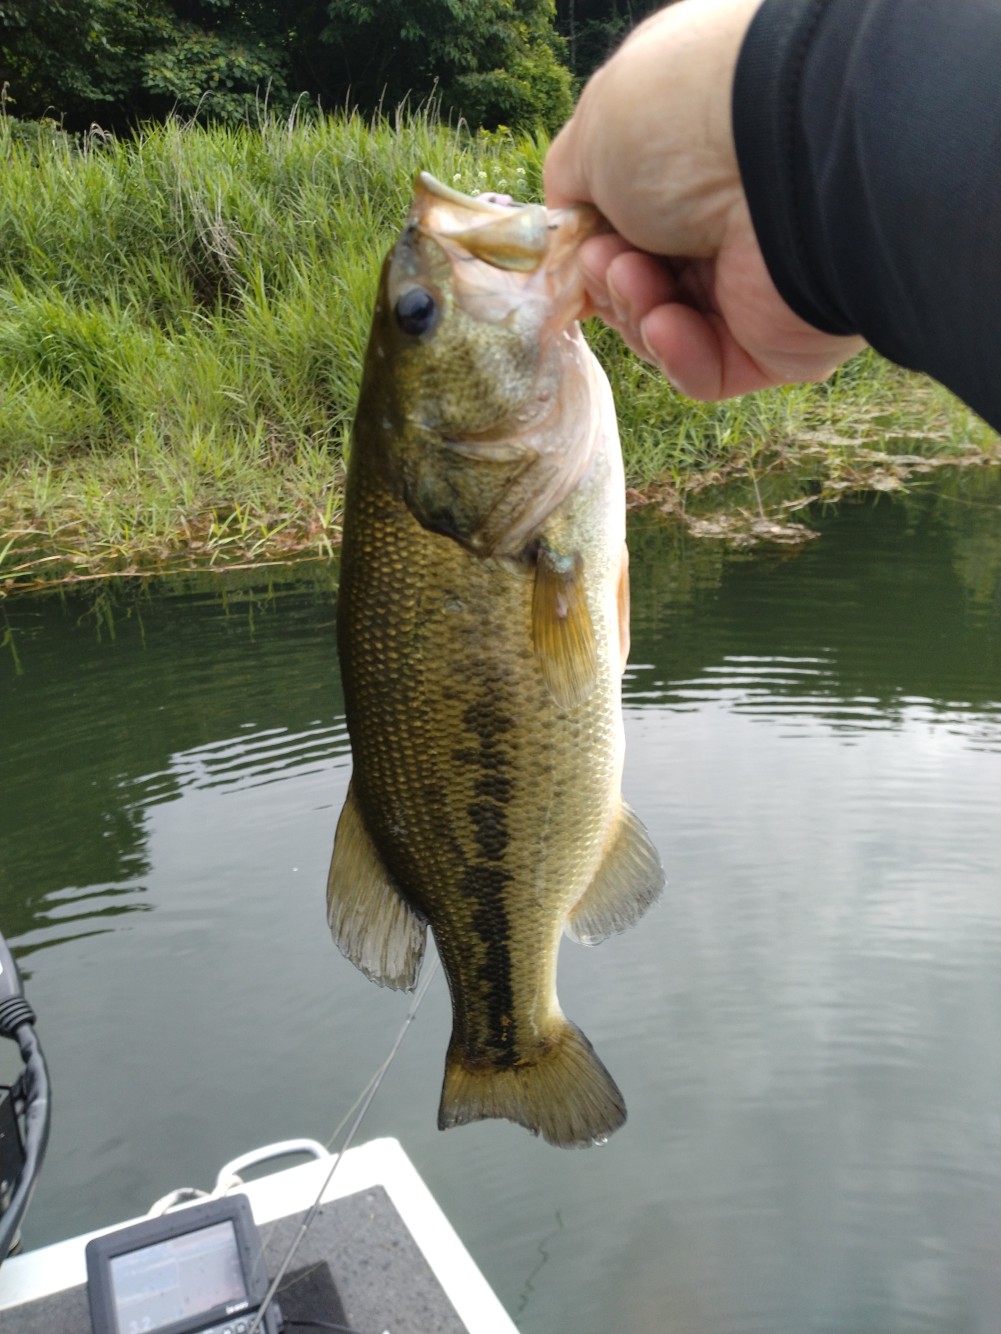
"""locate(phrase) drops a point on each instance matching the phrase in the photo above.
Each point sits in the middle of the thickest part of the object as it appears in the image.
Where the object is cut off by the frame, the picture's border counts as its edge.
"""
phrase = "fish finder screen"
(177, 1280)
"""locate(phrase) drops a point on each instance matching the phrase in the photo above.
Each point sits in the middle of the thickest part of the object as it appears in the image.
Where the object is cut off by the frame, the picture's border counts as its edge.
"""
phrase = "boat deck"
(379, 1257)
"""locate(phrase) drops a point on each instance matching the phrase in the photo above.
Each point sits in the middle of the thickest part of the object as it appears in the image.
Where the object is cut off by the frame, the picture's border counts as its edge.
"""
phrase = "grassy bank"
(182, 319)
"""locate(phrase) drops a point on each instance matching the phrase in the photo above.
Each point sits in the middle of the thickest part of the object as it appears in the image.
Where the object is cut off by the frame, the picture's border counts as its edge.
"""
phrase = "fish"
(482, 631)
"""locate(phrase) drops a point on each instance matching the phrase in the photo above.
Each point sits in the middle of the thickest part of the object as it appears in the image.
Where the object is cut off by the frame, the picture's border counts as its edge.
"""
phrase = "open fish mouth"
(499, 232)
(509, 237)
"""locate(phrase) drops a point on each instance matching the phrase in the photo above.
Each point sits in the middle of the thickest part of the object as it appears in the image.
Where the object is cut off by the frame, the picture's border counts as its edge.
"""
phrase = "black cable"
(17, 1021)
(37, 1116)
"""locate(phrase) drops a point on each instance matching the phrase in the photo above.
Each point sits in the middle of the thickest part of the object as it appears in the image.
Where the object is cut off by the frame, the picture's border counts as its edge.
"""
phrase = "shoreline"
(755, 497)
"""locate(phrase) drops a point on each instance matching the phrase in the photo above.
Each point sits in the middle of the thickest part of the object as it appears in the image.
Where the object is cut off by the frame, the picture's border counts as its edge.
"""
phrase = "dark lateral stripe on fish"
(485, 881)
(487, 885)
(495, 786)
(490, 826)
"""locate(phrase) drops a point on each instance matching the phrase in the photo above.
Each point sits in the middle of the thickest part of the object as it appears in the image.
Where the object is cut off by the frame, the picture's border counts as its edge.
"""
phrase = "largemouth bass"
(482, 628)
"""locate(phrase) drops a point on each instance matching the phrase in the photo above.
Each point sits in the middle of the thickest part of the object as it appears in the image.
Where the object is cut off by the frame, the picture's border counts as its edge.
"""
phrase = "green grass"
(182, 319)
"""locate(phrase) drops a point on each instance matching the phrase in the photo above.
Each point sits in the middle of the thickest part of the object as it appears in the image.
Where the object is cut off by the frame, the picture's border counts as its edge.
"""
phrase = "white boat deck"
(380, 1257)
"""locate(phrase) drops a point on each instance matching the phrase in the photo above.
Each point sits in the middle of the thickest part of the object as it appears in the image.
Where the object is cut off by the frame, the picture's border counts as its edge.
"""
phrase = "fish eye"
(416, 311)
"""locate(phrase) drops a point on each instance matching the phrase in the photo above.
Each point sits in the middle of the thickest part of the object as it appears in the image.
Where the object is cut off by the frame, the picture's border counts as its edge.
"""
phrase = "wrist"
(679, 64)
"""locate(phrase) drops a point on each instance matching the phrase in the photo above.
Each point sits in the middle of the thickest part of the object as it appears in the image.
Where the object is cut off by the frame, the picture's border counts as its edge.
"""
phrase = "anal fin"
(562, 632)
(369, 919)
(629, 879)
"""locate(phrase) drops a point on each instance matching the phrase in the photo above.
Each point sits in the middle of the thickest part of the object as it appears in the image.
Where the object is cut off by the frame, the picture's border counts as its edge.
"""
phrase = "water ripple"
(251, 760)
(787, 689)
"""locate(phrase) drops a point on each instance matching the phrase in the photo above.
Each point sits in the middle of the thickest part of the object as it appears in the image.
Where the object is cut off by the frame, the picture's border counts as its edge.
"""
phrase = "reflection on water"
(805, 1028)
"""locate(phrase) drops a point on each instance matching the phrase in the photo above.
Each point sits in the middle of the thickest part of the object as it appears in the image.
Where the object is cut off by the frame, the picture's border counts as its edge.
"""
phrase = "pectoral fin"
(369, 919)
(627, 882)
(561, 627)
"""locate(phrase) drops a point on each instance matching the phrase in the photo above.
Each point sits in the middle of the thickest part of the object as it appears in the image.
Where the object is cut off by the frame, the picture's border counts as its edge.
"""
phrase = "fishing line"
(354, 1106)
(363, 1104)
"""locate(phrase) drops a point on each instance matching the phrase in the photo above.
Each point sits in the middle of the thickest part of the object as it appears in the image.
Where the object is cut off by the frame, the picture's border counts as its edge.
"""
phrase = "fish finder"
(199, 1270)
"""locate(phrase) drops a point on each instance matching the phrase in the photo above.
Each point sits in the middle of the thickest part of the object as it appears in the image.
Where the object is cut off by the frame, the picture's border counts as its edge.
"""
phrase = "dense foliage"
(119, 62)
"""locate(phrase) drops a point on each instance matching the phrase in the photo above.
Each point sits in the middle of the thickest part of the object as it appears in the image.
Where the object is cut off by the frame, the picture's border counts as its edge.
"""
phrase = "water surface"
(805, 1028)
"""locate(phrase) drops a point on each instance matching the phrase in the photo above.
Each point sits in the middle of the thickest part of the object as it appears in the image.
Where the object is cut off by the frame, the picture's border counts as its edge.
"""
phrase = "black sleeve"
(868, 134)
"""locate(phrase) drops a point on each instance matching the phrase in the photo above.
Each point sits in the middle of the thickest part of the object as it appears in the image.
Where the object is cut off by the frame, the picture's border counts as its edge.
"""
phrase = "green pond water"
(807, 1028)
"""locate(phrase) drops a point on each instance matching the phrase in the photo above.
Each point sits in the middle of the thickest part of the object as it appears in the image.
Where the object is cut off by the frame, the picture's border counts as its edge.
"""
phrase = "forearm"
(868, 134)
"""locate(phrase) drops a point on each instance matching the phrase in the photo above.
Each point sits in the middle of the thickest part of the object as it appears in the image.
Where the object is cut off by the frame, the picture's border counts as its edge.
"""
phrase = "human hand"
(682, 278)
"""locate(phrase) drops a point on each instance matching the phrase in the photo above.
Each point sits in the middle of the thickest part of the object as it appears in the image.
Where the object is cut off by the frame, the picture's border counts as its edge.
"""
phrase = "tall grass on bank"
(182, 321)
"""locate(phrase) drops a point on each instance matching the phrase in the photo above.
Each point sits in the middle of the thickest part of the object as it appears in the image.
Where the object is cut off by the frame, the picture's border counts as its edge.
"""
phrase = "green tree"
(72, 58)
(121, 61)
(491, 61)
(218, 59)
(118, 62)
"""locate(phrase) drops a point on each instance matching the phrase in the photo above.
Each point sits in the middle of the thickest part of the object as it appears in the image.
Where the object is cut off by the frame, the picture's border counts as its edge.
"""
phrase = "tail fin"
(561, 1092)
